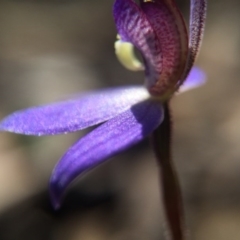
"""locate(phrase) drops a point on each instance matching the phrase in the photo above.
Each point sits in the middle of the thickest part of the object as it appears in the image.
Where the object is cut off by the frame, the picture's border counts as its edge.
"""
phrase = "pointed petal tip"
(9, 124)
(2, 128)
(13, 124)
(55, 194)
(196, 78)
(56, 205)
(5, 126)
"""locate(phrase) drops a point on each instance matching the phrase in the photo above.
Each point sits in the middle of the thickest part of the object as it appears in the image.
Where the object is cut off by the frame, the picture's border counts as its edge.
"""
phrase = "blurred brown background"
(51, 49)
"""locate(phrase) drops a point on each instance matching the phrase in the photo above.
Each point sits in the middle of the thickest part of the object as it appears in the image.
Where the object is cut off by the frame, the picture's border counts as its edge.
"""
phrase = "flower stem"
(171, 192)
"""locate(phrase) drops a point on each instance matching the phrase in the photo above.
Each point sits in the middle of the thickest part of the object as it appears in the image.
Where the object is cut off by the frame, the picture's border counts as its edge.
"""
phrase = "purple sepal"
(107, 140)
(195, 79)
(76, 114)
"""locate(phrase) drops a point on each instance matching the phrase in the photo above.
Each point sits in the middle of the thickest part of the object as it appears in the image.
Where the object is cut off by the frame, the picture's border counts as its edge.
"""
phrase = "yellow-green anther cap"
(126, 56)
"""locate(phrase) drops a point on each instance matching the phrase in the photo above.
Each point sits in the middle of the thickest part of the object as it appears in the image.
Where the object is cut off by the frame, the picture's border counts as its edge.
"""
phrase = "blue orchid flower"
(126, 114)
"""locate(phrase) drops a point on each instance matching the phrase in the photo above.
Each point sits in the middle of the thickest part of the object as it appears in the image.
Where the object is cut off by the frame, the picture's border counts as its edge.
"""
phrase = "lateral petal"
(76, 114)
(198, 10)
(107, 140)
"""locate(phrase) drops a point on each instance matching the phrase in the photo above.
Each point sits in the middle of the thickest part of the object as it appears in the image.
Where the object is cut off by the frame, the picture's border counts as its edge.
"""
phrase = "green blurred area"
(52, 49)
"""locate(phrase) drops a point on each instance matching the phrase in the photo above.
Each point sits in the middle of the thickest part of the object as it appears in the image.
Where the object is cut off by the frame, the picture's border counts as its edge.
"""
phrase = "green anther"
(126, 56)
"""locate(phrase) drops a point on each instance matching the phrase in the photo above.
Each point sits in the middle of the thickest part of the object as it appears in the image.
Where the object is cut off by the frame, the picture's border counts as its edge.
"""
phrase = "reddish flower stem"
(171, 192)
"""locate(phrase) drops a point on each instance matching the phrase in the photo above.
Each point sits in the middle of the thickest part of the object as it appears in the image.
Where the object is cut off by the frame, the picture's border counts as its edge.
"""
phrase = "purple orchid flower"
(128, 114)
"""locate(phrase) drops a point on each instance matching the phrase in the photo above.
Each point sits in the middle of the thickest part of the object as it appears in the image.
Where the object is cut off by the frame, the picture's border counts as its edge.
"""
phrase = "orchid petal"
(195, 79)
(169, 25)
(107, 140)
(75, 114)
(196, 29)
(197, 24)
(134, 27)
